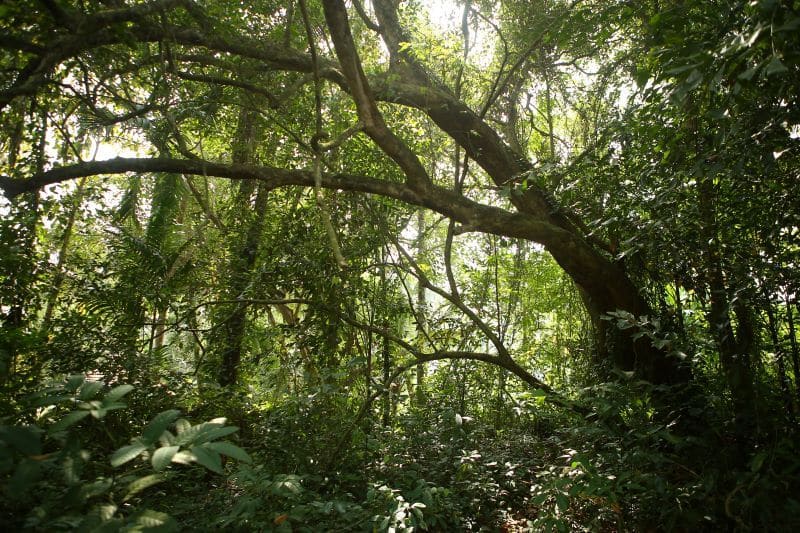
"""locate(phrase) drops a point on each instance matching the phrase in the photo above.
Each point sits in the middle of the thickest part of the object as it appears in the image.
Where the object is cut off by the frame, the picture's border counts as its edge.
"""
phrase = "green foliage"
(618, 469)
(54, 475)
(285, 502)
(282, 502)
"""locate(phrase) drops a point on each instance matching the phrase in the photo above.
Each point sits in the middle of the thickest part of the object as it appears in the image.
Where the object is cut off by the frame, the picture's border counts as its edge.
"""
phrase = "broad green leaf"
(157, 426)
(208, 458)
(117, 392)
(562, 502)
(215, 433)
(184, 457)
(127, 453)
(49, 399)
(68, 420)
(162, 457)
(775, 66)
(74, 381)
(138, 485)
(89, 390)
(152, 522)
(90, 490)
(94, 404)
(186, 433)
(231, 450)
(417, 512)
(105, 408)
(182, 425)
(106, 512)
(204, 432)
(749, 73)
(166, 438)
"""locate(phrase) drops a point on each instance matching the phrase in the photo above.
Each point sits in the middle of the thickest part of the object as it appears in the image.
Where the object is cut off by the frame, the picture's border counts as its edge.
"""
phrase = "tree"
(166, 44)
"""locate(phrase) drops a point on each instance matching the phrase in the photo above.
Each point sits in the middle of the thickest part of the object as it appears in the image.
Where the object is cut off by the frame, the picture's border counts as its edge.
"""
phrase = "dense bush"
(57, 471)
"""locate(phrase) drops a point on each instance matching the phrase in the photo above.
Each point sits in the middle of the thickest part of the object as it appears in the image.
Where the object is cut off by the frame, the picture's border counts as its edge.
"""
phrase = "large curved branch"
(62, 47)
(606, 286)
(476, 216)
(603, 280)
(581, 261)
(88, 32)
(610, 289)
(455, 118)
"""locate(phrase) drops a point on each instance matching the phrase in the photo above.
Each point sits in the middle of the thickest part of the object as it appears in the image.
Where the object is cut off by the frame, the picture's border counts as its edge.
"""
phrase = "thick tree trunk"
(391, 390)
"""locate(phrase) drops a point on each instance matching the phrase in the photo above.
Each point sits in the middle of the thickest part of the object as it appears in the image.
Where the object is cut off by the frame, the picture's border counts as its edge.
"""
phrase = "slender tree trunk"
(422, 307)
(780, 359)
(58, 278)
(679, 311)
(461, 376)
(735, 363)
(368, 379)
(388, 398)
(386, 361)
(551, 134)
(244, 253)
(793, 344)
(160, 328)
(500, 398)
